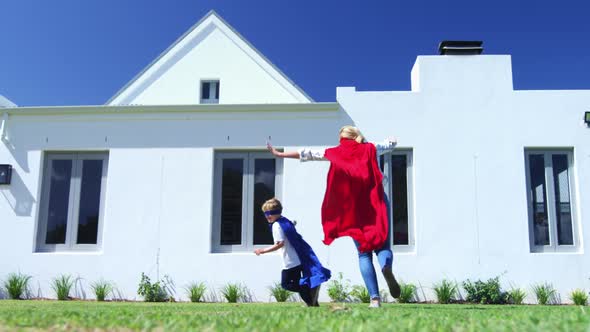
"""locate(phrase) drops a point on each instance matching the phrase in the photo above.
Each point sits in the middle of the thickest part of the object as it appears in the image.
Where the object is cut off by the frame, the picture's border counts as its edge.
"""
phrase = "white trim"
(69, 244)
(193, 108)
(408, 153)
(248, 160)
(550, 202)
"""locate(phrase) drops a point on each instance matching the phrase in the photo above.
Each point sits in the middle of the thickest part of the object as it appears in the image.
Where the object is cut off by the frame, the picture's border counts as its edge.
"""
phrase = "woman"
(355, 204)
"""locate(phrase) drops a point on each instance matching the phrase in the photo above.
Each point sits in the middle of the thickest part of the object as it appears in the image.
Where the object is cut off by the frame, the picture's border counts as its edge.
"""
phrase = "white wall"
(158, 195)
(468, 133)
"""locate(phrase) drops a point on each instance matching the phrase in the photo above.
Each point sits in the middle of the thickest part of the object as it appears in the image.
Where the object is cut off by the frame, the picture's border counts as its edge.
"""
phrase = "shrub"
(407, 294)
(156, 292)
(233, 292)
(516, 296)
(545, 293)
(360, 294)
(17, 285)
(279, 293)
(488, 292)
(102, 289)
(338, 290)
(196, 291)
(62, 286)
(579, 297)
(446, 291)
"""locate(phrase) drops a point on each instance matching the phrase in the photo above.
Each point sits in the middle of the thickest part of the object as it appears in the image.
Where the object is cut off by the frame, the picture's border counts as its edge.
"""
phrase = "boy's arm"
(272, 248)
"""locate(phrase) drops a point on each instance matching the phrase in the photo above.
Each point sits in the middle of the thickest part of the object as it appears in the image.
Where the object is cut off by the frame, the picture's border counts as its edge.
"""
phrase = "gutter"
(3, 126)
(171, 109)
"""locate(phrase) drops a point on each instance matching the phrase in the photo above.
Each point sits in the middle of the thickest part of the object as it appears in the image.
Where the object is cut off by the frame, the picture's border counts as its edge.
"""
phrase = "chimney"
(460, 47)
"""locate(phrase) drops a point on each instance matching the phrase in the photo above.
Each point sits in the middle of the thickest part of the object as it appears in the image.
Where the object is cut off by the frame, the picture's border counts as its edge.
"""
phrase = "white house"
(168, 176)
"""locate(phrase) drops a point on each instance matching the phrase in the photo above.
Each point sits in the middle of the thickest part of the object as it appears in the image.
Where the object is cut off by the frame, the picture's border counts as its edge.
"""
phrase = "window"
(397, 171)
(72, 201)
(552, 224)
(243, 181)
(209, 92)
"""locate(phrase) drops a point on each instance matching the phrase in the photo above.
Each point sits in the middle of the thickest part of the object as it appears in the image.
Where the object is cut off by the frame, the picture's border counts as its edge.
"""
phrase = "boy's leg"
(290, 281)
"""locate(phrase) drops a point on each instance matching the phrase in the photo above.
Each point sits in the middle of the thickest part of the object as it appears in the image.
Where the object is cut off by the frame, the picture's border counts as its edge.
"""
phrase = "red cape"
(354, 202)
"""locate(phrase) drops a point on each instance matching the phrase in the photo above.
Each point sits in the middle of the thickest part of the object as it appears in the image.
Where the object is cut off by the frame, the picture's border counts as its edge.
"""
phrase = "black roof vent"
(460, 47)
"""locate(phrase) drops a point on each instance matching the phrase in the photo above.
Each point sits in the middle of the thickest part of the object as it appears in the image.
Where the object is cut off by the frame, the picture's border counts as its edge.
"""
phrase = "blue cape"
(313, 272)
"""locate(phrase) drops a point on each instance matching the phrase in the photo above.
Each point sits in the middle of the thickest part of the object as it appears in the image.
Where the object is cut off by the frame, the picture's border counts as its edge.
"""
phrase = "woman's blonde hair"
(352, 132)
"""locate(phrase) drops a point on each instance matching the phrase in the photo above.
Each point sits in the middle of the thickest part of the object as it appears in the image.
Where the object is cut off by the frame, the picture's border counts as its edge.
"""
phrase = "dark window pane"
(89, 201)
(231, 201)
(59, 197)
(565, 233)
(264, 189)
(539, 199)
(399, 199)
(205, 88)
(217, 91)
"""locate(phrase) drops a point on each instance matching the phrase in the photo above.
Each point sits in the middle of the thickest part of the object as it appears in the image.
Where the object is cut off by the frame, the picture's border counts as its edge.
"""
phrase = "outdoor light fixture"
(5, 174)
(587, 118)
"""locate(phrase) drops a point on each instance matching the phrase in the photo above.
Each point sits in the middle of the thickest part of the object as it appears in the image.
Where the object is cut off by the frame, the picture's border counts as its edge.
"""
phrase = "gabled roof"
(212, 19)
(5, 102)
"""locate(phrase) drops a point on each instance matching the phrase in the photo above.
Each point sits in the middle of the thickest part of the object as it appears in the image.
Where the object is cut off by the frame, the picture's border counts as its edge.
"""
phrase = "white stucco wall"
(466, 127)
(468, 130)
(158, 195)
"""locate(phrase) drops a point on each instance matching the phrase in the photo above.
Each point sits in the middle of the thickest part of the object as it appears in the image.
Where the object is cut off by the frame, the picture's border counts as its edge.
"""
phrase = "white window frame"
(249, 157)
(212, 92)
(550, 197)
(411, 246)
(70, 244)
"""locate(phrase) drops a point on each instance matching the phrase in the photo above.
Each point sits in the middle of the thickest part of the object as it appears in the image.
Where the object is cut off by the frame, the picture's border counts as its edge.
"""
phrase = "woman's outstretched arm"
(276, 153)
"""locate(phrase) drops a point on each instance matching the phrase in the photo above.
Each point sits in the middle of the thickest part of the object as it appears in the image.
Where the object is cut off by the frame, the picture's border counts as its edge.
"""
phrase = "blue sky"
(72, 52)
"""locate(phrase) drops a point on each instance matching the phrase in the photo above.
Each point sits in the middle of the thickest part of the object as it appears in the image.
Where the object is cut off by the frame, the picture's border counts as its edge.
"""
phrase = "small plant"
(545, 293)
(17, 285)
(196, 291)
(579, 297)
(233, 292)
(279, 293)
(446, 291)
(516, 296)
(488, 292)
(407, 294)
(156, 292)
(338, 290)
(62, 286)
(360, 294)
(102, 289)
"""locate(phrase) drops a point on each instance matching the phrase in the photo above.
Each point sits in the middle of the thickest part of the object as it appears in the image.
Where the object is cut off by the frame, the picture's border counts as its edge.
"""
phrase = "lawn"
(76, 315)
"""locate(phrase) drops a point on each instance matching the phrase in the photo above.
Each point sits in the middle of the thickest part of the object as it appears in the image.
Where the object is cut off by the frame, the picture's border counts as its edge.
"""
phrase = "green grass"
(80, 315)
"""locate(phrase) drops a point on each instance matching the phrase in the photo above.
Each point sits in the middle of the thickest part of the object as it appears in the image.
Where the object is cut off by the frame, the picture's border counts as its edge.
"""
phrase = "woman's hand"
(272, 149)
(259, 252)
(392, 139)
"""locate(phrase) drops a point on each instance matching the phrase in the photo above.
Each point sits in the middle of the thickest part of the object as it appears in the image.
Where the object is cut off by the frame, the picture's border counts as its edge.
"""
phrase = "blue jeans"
(384, 256)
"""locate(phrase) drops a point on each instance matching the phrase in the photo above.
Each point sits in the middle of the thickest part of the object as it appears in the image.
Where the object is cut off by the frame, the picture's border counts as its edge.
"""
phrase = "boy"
(302, 271)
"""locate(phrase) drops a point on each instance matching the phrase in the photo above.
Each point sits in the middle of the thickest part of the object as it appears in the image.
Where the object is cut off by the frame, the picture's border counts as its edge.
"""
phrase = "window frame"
(409, 153)
(213, 90)
(249, 158)
(70, 244)
(550, 203)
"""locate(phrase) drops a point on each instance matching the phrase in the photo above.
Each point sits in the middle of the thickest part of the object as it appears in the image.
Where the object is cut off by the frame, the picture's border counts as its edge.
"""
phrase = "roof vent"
(460, 47)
